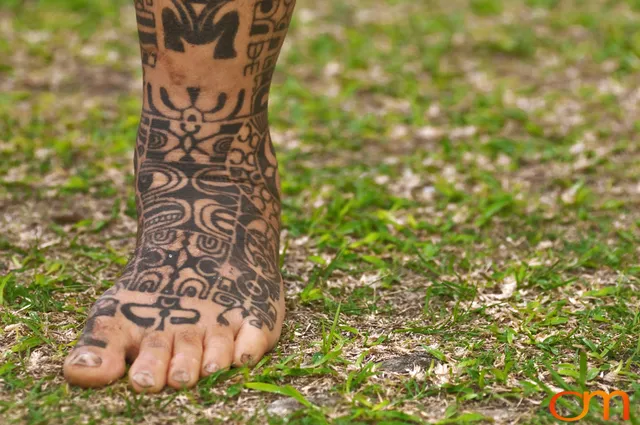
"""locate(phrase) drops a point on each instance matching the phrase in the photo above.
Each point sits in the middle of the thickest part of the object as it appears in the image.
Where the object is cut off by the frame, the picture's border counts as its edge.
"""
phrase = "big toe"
(99, 358)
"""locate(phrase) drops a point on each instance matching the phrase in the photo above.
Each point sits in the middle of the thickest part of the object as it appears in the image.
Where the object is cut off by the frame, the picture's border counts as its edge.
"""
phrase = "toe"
(250, 345)
(99, 357)
(218, 350)
(149, 370)
(91, 367)
(184, 369)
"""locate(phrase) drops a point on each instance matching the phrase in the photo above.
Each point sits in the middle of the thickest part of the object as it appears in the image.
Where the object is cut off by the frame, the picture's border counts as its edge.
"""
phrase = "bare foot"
(203, 290)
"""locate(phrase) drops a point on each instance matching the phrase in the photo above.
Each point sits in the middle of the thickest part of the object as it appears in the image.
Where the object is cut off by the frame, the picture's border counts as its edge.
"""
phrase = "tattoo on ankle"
(147, 32)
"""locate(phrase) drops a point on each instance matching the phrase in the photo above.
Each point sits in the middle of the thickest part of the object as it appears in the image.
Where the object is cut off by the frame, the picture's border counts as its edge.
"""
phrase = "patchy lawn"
(461, 213)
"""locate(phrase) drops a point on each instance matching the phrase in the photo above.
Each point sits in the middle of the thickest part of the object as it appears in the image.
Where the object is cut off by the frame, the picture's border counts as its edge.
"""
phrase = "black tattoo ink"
(147, 32)
(147, 315)
(104, 307)
(270, 22)
(200, 28)
(180, 134)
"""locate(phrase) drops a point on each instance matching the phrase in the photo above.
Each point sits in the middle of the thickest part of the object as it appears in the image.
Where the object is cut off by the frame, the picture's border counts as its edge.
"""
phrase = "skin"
(202, 291)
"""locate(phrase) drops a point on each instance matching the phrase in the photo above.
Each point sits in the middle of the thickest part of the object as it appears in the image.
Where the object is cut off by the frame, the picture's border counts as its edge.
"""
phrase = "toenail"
(211, 368)
(144, 379)
(87, 359)
(180, 376)
(246, 359)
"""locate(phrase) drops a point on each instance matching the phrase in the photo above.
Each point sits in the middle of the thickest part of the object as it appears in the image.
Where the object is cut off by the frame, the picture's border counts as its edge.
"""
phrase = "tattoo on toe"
(104, 307)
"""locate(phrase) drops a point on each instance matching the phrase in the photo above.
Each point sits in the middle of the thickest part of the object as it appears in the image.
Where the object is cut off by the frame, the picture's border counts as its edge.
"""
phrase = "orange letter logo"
(586, 399)
(554, 412)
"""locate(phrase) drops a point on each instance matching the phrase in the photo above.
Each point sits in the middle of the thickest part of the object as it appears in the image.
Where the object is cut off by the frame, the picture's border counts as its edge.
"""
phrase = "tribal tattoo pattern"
(147, 32)
(203, 27)
(206, 173)
(104, 307)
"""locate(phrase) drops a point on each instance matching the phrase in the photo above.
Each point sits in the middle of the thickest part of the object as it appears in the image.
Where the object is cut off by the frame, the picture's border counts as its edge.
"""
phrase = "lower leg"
(203, 290)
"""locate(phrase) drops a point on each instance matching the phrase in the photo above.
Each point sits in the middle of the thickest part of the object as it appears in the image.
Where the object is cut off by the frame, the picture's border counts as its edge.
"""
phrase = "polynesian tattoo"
(147, 32)
(201, 28)
(206, 173)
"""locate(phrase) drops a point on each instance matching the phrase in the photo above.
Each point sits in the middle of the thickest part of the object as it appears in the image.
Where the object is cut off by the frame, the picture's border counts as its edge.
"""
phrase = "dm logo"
(586, 399)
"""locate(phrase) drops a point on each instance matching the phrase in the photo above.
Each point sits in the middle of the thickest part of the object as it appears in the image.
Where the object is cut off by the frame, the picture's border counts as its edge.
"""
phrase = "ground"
(461, 212)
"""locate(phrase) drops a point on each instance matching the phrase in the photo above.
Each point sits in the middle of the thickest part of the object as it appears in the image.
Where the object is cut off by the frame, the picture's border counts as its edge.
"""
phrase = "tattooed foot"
(188, 305)
(203, 291)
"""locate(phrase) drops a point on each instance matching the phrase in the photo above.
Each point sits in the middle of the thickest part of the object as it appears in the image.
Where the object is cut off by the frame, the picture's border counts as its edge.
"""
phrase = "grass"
(462, 212)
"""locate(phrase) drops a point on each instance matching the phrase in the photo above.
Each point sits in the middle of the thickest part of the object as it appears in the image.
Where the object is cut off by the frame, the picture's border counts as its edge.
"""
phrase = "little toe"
(99, 357)
(218, 350)
(184, 369)
(250, 345)
(149, 370)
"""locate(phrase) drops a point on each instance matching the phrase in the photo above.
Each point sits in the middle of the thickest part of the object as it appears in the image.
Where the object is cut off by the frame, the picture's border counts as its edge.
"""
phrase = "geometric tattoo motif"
(147, 32)
(186, 24)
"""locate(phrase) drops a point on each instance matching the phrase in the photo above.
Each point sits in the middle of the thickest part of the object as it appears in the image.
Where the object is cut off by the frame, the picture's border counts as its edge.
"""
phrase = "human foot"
(203, 290)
